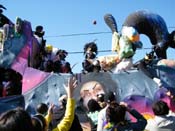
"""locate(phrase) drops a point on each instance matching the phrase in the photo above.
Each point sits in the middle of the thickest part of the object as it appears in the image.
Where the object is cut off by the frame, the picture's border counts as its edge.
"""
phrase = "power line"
(78, 34)
(80, 52)
(89, 33)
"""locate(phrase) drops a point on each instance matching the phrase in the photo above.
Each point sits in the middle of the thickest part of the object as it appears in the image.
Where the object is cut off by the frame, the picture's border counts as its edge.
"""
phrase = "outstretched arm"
(67, 120)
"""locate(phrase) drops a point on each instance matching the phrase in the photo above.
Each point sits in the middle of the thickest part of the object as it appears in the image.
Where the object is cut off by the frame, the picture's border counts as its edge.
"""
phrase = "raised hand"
(72, 84)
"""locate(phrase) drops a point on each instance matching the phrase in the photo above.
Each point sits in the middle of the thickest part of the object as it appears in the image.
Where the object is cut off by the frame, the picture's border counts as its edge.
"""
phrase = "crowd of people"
(105, 113)
(18, 119)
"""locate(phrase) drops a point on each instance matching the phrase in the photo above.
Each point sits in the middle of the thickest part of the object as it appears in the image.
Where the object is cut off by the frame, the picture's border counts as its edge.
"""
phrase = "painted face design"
(90, 90)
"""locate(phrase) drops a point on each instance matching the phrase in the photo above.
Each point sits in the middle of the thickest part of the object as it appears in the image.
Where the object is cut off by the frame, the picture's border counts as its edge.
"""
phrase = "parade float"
(134, 85)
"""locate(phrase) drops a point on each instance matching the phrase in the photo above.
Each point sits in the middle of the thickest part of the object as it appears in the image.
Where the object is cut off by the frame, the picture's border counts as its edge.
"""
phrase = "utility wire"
(90, 33)
(80, 52)
(79, 34)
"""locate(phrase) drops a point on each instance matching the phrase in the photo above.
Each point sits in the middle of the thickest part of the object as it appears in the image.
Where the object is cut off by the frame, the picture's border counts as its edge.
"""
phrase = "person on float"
(91, 64)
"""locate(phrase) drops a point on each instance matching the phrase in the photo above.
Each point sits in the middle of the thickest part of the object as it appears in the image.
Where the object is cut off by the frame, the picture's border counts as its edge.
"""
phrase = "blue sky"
(77, 16)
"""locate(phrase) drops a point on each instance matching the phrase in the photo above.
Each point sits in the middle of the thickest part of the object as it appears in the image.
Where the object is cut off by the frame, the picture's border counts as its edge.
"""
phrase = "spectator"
(161, 121)
(42, 109)
(93, 111)
(167, 95)
(39, 123)
(67, 120)
(15, 120)
(109, 97)
(38, 120)
(59, 112)
(115, 115)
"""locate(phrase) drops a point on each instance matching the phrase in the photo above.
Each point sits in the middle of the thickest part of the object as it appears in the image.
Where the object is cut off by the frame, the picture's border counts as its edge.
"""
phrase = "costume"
(60, 64)
(124, 44)
(140, 22)
(90, 64)
(153, 26)
(66, 122)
